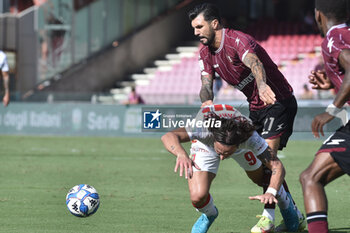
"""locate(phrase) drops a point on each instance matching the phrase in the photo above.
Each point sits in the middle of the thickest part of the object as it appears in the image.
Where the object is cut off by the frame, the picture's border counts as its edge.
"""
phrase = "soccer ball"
(82, 200)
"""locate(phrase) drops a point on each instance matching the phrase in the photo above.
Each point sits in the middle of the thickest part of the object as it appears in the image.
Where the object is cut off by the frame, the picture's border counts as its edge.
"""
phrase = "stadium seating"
(178, 81)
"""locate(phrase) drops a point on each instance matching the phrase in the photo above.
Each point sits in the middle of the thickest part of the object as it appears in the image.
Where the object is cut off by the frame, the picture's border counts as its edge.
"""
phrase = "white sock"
(270, 213)
(209, 209)
(283, 199)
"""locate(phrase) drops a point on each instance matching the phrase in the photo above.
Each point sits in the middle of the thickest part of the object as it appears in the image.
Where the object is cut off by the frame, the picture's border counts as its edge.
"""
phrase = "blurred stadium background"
(74, 62)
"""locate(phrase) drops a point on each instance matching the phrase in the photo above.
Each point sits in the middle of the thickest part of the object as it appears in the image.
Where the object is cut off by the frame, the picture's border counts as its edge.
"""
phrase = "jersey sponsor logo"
(244, 82)
(237, 41)
(330, 44)
(216, 66)
(279, 127)
(230, 59)
(198, 149)
(335, 142)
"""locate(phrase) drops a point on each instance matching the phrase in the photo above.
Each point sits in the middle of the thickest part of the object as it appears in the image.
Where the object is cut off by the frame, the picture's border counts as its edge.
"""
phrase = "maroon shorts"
(338, 145)
(276, 120)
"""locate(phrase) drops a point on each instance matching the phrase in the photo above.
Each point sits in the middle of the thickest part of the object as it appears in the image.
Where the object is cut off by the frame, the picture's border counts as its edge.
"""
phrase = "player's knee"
(306, 177)
(198, 198)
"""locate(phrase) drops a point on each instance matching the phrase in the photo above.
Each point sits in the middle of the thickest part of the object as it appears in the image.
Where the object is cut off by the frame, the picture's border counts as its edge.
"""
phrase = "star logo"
(156, 115)
(330, 44)
(151, 120)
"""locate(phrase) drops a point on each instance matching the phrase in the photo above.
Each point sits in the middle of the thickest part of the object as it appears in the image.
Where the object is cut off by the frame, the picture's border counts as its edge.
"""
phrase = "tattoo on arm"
(267, 156)
(206, 92)
(257, 68)
(273, 171)
(172, 147)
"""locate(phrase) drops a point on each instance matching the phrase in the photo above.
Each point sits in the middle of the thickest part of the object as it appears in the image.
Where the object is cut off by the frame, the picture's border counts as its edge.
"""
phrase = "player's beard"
(209, 39)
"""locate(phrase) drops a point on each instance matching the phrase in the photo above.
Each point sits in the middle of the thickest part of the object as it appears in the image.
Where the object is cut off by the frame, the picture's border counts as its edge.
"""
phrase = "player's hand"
(265, 198)
(185, 164)
(319, 80)
(206, 103)
(318, 122)
(6, 100)
(266, 94)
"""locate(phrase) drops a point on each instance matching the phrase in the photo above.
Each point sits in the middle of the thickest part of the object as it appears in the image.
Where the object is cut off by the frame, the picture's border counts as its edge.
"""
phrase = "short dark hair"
(233, 131)
(210, 12)
(336, 9)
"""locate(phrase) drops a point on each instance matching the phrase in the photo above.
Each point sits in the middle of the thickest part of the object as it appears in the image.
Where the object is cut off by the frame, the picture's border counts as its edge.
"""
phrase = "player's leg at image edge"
(322, 171)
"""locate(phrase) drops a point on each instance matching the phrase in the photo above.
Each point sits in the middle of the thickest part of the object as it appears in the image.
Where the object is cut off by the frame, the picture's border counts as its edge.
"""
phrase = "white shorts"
(208, 160)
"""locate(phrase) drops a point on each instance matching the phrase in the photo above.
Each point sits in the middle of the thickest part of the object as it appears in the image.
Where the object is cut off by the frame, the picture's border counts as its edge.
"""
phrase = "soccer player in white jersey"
(5, 77)
(229, 135)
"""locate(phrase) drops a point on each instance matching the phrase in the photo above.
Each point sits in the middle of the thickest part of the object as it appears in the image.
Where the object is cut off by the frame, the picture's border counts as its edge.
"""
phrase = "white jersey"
(255, 143)
(3, 62)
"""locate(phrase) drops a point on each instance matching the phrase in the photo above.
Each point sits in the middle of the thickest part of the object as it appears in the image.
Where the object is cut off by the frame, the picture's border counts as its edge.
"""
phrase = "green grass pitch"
(138, 188)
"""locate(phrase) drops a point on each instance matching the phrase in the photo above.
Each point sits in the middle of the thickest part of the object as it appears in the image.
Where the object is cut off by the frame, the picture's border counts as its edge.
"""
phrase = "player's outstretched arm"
(336, 108)
(265, 92)
(6, 81)
(206, 93)
(270, 160)
(172, 142)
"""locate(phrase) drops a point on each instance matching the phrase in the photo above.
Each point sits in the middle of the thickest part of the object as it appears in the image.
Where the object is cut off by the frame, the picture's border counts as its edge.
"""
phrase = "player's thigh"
(208, 161)
(199, 184)
(205, 157)
(323, 169)
(256, 176)
(274, 143)
(332, 159)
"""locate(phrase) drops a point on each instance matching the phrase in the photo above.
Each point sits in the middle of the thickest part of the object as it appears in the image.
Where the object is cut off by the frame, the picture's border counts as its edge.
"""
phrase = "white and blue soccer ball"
(82, 200)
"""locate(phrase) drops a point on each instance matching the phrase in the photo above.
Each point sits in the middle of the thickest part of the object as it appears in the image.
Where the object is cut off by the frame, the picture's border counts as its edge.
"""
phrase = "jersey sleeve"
(255, 143)
(336, 42)
(244, 44)
(205, 65)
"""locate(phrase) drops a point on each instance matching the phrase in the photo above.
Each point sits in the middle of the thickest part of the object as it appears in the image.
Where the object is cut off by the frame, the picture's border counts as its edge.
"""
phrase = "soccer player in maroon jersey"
(333, 158)
(238, 59)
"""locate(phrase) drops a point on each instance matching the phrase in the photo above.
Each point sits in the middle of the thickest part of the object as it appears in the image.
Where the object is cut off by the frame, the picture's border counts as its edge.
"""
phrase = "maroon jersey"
(227, 63)
(337, 39)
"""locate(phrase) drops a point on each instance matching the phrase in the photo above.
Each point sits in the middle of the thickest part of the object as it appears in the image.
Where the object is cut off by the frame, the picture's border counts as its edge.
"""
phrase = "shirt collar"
(222, 41)
(336, 26)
